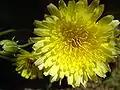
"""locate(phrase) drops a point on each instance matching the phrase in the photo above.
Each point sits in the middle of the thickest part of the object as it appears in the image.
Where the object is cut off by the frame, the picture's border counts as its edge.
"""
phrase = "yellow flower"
(25, 65)
(74, 42)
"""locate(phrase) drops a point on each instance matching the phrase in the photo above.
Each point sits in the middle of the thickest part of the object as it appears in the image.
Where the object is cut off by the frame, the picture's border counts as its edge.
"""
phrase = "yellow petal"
(93, 5)
(53, 10)
(70, 79)
(97, 13)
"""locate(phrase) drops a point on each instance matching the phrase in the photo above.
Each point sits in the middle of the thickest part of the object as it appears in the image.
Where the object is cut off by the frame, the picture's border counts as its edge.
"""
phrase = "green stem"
(4, 57)
(5, 32)
(49, 86)
(25, 45)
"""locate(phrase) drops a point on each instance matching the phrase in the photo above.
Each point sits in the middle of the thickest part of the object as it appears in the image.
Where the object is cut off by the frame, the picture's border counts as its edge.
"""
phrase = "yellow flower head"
(25, 65)
(74, 42)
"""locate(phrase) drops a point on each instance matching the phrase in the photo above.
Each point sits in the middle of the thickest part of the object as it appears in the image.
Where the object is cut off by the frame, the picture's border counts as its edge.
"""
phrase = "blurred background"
(20, 15)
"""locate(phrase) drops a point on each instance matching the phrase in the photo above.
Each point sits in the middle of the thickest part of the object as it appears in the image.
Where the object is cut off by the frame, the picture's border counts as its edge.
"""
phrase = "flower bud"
(9, 46)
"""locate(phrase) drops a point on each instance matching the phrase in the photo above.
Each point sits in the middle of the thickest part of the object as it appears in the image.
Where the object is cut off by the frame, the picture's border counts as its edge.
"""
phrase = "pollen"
(73, 34)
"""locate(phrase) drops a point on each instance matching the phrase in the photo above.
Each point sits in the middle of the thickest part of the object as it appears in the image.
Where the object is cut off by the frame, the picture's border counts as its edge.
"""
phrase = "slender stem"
(25, 45)
(49, 86)
(5, 32)
(4, 57)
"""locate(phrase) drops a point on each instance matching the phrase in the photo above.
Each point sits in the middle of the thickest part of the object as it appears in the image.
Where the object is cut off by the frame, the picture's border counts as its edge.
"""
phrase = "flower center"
(74, 34)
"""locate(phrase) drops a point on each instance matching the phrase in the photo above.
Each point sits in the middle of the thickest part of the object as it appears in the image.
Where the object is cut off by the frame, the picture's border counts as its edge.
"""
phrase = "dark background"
(19, 15)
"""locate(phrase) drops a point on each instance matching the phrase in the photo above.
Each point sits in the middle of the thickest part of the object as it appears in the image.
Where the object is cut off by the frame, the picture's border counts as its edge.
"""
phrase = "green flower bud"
(8, 46)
